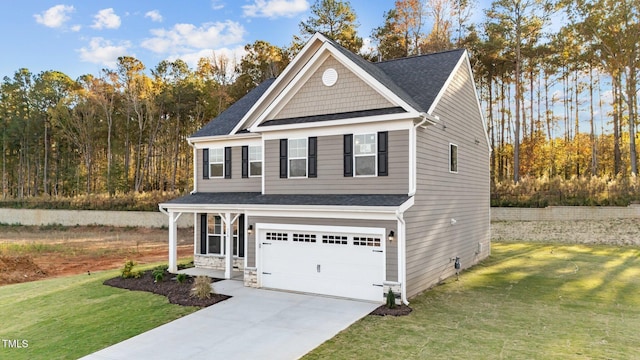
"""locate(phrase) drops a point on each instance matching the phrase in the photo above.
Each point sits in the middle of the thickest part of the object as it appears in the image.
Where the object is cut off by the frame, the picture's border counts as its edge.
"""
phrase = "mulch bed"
(399, 310)
(175, 292)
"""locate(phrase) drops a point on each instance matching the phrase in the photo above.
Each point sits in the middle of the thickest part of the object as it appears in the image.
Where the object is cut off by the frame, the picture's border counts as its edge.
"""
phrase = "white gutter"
(413, 149)
(163, 210)
(402, 257)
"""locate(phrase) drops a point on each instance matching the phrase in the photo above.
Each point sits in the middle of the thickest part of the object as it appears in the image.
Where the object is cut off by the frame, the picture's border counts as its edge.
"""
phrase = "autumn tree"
(335, 19)
(520, 22)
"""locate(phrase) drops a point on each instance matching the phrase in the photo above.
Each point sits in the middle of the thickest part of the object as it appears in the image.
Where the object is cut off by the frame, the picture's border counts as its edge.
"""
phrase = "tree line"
(559, 100)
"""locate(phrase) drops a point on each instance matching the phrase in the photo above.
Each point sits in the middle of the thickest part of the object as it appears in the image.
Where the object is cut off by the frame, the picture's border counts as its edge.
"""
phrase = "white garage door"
(338, 261)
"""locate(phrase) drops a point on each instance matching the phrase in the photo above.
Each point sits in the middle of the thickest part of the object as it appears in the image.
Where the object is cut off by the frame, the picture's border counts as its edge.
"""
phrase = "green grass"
(66, 318)
(527, 301)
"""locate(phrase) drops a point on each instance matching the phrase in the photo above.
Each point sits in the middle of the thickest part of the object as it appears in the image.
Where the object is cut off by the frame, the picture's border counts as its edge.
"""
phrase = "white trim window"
(255, 161)
(297, 158)
(365, 154)
(215, 235)
(216, 163)
(453, 158)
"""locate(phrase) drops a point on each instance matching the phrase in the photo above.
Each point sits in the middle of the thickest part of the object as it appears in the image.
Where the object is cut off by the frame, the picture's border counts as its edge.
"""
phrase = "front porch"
(217, 274)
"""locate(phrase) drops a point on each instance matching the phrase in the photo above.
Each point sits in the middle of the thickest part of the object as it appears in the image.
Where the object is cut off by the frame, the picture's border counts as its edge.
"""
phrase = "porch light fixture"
(391, 235)
(250, 230)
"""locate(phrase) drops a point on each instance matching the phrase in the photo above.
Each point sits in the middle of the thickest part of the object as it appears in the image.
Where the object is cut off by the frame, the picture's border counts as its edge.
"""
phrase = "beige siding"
(432, 240)
(331, 179)
(391, 248)
(235, 184)
(349, 93)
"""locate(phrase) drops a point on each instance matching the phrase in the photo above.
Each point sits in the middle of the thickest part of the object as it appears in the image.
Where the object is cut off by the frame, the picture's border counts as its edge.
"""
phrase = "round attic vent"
(329, 77)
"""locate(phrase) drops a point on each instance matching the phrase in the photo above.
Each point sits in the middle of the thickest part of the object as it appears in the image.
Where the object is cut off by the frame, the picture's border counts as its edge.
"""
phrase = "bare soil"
(29, 253)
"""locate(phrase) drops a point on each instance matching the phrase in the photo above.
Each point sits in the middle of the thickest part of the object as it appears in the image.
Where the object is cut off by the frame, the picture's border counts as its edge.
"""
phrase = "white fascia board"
(293, 211)
(234, 140)
(475, 91)
(446, 84)
(380, 231)
(285, 74)
(339, 127)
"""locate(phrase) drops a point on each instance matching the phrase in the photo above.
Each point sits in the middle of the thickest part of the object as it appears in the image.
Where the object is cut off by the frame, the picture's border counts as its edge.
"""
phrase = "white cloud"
(187, 38)
(275, 8)
(217, 4)
(154, 15)
(76, 28)
(106, 19)
(104, 52)
(55, 16)
(232, 54)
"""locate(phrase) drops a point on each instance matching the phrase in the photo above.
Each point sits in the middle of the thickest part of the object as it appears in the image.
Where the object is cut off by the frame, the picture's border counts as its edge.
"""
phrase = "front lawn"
(528, 301)
(69, 317)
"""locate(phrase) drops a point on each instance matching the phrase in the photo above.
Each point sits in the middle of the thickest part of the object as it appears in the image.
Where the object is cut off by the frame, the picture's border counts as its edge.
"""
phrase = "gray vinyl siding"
(349, 93)
(432, 241)
(390, 247)
(235, 184)
(331, 179)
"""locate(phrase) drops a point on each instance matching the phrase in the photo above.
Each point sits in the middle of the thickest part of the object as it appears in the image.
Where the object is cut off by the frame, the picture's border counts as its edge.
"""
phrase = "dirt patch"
(60, 251)
(176, 293)
(14, 269)
(400, 310)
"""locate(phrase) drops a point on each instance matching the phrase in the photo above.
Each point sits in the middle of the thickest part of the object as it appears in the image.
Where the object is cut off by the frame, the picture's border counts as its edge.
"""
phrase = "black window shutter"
(203, 233)
(245, 161)
(383, 153)
(284, 146)
(313, 157)
(241, 235)
(348, 155)
(227, 162)
(205, 163)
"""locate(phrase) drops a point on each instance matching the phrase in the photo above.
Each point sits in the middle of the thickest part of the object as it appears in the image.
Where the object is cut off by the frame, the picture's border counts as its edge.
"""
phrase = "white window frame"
(452, 146)
(235, 237)
(211, 162)
(374, 155)
(305, 158)
(256, 160)
(211, 223)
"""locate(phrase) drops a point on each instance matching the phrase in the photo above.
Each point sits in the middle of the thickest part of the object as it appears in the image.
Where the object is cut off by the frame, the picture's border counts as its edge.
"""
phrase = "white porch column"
(173, 242)
(228, 247)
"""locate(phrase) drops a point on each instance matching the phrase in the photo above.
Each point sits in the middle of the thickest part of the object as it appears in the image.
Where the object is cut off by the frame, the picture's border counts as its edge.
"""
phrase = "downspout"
(402, 257)
(413, 150)
(163, 210)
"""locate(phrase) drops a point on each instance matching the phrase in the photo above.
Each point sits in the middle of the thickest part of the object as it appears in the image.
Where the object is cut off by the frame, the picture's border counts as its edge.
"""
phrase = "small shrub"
(158, 275)
(391, 299)
(128, 272)
(181, 278)
(202, 288)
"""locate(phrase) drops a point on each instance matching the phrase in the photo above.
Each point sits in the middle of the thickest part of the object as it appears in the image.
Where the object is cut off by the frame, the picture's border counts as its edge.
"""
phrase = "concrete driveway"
(253, 324)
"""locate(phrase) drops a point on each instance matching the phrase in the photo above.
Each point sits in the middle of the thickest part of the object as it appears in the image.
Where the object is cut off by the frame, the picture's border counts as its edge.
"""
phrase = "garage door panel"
(333, 267)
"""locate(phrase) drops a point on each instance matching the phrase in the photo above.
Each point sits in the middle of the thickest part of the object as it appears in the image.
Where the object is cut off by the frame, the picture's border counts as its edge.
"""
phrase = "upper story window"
(453, 158)
(255, 160)
(297, 158)
(216, 163)
(365, 152)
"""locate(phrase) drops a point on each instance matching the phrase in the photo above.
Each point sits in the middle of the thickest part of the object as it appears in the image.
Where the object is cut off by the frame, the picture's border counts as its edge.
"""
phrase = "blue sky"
(82, 37)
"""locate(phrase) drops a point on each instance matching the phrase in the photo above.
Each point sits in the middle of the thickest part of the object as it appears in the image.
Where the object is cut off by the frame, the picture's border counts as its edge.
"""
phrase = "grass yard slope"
(527, 301)
(69, 317)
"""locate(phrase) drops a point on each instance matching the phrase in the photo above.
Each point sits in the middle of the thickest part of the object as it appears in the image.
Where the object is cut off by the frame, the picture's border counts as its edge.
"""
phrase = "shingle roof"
(417, 80)
(224, 123)
(255, 198)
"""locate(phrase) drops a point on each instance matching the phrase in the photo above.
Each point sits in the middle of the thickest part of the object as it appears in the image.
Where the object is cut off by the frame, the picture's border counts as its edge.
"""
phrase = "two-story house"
(344, 177)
